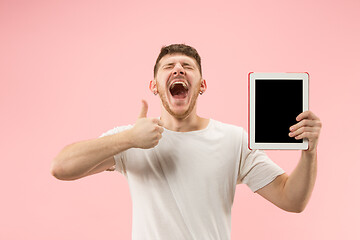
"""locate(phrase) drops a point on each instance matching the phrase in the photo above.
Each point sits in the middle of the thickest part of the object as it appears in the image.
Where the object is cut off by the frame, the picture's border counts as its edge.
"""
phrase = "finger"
(307, 115)
(158, 122)
(159, 129)
(302, 123)
(309, 135)
(302, 130)
(306, 123)
(144, 109)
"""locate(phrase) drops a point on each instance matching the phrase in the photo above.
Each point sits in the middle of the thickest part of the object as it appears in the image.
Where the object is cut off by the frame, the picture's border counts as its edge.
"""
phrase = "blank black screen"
(277, 104)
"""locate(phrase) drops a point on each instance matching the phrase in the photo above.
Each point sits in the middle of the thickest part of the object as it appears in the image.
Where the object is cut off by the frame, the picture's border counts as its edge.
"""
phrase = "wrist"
(129, 138)
(125, 140)
(310, 152)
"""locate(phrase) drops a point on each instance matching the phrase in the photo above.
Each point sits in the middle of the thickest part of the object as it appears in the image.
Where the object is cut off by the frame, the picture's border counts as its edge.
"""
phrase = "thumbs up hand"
(146, 132)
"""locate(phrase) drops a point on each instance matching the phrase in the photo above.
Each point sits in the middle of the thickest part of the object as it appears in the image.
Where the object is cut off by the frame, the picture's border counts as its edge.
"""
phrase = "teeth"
(184, 85)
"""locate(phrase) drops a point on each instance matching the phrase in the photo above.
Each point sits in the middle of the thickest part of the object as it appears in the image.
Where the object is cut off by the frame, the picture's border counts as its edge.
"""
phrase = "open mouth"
(179, 89)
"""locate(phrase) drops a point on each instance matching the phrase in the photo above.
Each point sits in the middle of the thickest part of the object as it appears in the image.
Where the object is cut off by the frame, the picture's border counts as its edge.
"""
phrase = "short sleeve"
(120, 158)
(256, 169)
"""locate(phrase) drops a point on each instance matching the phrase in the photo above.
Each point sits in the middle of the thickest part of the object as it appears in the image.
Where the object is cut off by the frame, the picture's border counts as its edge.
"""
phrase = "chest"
(186, 159)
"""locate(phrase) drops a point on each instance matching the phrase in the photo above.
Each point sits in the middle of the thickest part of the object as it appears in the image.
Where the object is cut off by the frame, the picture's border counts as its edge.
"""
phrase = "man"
(183, 169)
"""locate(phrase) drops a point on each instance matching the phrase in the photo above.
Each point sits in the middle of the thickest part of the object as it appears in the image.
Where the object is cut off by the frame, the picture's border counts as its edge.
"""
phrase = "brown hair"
(178, 48)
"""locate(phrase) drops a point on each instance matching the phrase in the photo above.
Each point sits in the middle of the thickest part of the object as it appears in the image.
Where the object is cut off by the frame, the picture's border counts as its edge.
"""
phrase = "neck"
(192, 122)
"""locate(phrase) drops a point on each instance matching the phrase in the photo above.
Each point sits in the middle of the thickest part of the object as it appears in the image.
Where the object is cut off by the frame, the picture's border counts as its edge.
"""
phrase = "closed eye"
(168, 66)
(187, 66)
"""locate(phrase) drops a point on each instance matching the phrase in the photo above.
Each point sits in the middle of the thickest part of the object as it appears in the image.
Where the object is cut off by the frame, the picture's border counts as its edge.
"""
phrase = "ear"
(153, 87)
(203, 85)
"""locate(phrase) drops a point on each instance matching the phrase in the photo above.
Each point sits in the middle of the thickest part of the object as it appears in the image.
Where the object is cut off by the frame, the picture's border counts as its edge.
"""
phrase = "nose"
(178, 70)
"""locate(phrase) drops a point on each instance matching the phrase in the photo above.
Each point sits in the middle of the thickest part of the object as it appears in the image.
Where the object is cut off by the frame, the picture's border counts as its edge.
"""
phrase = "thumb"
(144, 109)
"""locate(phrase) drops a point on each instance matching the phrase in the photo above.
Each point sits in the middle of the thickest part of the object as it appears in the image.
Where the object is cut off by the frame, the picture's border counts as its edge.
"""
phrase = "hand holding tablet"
(308, 126)
(275, 101)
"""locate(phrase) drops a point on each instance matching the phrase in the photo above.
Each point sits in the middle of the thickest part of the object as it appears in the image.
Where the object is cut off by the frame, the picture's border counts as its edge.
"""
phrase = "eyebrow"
(171, 63)
(184, 64)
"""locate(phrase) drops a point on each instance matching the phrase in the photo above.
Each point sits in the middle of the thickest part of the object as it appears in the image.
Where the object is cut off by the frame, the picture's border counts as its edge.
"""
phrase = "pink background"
(71, 70)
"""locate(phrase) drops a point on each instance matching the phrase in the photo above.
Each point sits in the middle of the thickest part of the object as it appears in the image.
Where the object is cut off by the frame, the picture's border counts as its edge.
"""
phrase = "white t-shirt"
(184, 187)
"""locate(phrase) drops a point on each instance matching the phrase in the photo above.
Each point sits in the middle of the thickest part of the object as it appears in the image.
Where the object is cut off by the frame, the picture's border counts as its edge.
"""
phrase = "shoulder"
(229, 131)
(227, 127)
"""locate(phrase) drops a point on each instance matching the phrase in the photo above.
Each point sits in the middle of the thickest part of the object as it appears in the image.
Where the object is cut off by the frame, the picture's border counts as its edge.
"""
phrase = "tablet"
(275, 100)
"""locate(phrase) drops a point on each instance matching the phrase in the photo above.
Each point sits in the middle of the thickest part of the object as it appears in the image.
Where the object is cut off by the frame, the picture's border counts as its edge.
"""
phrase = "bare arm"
(292, 193)
(88, 157)
(78, 159)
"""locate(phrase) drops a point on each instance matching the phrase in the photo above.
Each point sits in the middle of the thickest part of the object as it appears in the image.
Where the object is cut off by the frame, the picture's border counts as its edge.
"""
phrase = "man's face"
(178, 83)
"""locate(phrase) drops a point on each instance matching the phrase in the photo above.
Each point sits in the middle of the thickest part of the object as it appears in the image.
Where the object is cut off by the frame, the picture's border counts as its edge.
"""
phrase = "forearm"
(79, 158)
(300, 184)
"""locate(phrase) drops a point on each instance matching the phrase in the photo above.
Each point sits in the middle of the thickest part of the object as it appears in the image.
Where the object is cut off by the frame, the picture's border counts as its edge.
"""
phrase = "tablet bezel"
(275, 76)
